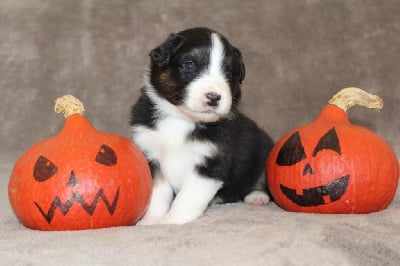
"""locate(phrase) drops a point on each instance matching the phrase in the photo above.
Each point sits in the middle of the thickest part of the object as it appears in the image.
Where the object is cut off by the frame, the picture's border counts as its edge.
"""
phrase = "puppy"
(186, 122)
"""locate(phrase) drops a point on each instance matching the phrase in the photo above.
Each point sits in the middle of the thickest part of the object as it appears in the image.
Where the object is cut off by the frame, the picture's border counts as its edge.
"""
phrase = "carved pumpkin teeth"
(316, 196)
(327, 199)
(299, 192)
(77, 197)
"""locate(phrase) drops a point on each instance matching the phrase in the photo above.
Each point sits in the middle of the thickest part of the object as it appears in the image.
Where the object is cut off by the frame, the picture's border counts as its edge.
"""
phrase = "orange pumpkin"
(332, 166)
(80, 179)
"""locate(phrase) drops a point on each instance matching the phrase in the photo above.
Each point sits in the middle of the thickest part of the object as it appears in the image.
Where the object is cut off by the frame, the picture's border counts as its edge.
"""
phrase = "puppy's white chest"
(168, 144)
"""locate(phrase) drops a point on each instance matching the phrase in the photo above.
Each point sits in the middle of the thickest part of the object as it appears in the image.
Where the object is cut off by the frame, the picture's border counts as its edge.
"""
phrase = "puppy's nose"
(213, 98)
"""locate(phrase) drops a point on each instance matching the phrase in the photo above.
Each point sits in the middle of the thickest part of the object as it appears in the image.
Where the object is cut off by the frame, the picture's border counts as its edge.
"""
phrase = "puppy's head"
(199, 72)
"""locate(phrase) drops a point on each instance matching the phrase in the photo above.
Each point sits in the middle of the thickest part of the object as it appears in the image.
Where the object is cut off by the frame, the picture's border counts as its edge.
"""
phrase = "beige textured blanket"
(298, 54)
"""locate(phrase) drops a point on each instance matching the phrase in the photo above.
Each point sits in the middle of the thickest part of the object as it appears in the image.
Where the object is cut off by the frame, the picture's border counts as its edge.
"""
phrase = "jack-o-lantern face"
(44, 169)
(292, 152)
(331, 165)
(80, 179)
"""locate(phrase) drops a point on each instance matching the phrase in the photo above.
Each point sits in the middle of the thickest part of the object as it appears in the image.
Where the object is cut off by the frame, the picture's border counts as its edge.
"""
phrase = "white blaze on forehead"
(217, 54)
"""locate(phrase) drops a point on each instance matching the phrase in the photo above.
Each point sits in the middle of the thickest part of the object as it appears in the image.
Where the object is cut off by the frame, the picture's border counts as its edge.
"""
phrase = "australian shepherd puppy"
(186, 122)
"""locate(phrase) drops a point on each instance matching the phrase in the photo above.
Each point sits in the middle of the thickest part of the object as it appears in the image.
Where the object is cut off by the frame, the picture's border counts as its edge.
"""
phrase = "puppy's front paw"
(257, 198)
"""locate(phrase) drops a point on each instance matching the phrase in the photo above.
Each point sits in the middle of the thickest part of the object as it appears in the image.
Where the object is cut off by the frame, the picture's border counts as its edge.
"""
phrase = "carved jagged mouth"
(316, 196)
(77, 197)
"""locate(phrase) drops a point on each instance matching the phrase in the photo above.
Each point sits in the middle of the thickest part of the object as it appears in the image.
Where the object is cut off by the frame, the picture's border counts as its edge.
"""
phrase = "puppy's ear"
(242, 68)
(242, 72)
(163, 53)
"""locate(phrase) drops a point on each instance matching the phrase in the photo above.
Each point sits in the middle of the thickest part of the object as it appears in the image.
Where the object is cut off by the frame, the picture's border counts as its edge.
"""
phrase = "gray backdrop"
(297, 54)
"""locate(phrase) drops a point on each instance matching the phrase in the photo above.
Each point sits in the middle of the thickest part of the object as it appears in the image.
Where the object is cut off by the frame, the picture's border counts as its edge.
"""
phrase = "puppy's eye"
(189, 66)
(229, 74)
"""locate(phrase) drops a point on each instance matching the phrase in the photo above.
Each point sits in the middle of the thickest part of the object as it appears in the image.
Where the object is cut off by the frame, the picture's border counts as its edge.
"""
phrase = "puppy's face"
(199, 72)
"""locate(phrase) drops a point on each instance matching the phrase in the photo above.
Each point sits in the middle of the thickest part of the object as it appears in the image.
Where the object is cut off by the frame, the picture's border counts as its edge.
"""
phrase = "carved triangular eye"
(329, 141)
(44, 169)
(291, 152)
(106, 156)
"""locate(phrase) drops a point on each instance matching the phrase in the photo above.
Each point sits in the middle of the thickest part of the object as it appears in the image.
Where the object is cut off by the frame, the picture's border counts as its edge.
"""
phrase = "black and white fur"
(199, 146)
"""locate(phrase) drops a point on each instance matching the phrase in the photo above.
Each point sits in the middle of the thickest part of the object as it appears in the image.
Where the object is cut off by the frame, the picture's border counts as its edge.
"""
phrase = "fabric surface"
(298, 54)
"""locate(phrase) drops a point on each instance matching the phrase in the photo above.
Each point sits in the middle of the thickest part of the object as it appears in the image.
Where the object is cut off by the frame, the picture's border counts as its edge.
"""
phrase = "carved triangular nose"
(72, 181)
(308, 170)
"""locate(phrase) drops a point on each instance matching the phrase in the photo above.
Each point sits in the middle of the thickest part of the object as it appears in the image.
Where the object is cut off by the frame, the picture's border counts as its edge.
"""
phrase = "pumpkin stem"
(69, 105)
(347, 98)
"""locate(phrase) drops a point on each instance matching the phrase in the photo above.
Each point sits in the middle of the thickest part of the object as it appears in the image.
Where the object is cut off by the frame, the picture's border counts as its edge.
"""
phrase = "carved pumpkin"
(332, 166)
(80, 179)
